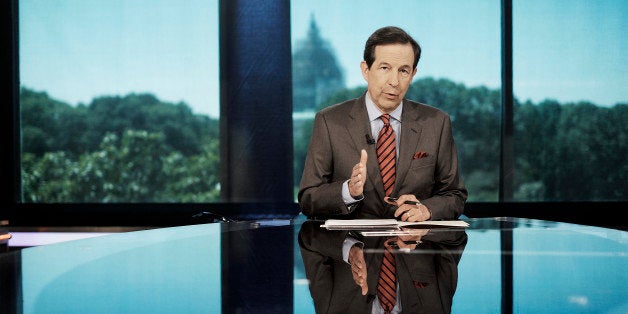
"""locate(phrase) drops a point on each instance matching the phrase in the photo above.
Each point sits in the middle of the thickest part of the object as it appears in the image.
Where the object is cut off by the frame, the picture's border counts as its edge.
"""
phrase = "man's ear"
(365, 69)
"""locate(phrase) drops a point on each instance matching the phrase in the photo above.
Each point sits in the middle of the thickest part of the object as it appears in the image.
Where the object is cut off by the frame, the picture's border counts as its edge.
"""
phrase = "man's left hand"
(411, 209)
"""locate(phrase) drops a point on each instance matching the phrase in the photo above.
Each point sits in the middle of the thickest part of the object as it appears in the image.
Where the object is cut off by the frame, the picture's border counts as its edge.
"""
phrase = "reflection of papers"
(388, 224)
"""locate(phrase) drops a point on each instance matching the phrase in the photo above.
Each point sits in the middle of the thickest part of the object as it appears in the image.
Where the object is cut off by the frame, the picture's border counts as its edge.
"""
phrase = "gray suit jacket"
(427, 164)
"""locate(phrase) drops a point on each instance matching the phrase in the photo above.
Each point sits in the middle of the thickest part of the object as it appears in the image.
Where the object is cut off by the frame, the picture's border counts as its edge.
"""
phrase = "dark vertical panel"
(255, 101)
(506, 175)
(257, 269)
(507, 156)
(11, 282)
(9, 153)
(256, 147)
(506, 244)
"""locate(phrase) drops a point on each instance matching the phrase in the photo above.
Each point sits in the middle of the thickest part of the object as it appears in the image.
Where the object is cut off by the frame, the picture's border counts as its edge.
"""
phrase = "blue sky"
(564, 50)
(78, 49)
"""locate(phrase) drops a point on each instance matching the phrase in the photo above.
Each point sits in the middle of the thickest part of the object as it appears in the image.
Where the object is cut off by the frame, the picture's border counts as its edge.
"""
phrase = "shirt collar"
(374, 112)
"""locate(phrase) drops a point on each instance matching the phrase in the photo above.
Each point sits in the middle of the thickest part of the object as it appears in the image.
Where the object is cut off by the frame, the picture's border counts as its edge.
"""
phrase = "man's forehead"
(398, 54)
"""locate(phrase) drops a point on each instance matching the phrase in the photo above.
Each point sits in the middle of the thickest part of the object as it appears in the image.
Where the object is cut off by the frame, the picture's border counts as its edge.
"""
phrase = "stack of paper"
(387, 224)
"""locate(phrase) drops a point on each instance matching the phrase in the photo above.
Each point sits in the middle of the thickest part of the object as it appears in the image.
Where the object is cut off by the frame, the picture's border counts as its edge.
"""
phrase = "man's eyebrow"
(384, 63)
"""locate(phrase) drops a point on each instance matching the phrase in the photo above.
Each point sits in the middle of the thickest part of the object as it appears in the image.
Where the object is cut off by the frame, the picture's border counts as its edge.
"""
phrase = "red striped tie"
(387, 282)
(386, 154)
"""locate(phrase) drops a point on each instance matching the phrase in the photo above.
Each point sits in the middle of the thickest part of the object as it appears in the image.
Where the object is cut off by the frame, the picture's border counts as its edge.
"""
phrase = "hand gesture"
(358, 268)
(358, 176)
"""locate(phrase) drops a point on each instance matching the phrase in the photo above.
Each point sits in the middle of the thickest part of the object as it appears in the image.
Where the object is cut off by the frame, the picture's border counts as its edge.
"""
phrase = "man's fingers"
(363, 157)
(358, 268)
(401, 210)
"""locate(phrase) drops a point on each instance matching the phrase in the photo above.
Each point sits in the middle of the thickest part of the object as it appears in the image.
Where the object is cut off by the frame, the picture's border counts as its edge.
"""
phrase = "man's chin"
(390, 105)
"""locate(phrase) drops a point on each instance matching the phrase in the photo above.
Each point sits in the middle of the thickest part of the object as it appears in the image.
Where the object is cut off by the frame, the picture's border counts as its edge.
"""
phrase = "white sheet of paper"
(388, 223)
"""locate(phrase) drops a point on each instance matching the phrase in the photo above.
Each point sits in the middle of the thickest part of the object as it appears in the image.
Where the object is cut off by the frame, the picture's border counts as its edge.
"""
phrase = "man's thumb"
(363, 157)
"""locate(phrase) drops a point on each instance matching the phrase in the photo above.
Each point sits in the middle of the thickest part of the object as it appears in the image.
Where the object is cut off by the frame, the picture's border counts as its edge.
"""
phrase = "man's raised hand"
(358, 176)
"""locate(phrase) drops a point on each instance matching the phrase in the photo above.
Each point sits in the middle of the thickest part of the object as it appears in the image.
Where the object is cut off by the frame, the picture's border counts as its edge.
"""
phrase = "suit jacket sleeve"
(320, 192)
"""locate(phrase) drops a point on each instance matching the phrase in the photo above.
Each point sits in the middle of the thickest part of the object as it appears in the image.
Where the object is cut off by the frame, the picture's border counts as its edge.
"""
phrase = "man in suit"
(342, 176)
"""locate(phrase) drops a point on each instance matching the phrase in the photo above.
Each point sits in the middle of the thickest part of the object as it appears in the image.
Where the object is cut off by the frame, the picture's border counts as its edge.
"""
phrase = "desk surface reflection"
(497, 265)
(426, 264)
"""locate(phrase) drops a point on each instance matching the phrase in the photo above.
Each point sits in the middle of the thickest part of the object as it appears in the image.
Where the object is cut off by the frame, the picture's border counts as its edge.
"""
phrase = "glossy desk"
(507, 266)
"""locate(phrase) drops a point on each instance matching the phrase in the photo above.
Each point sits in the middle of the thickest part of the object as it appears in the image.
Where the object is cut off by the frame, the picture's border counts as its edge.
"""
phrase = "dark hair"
(389, 35)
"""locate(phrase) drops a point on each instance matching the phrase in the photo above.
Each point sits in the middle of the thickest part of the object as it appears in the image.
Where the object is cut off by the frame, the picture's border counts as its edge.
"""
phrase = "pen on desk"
(412, 202)
(394, 199)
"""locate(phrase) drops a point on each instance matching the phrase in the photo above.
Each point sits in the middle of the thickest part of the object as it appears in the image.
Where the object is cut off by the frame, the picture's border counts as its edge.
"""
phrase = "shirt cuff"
(347, 245)
(346, 196)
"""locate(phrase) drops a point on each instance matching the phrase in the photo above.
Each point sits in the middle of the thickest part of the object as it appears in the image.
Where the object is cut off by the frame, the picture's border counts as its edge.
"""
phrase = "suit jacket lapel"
(410, 133)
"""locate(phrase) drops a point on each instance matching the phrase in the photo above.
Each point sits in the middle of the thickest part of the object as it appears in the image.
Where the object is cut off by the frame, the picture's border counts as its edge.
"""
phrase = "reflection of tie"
(386, 154)
(386, 284)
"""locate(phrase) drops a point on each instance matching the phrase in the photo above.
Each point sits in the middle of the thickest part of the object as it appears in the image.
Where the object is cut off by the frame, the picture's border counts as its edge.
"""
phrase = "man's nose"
(393, 79)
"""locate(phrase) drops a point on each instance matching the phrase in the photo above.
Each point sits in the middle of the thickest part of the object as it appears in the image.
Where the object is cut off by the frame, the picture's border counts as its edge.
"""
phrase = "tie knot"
(385, 118)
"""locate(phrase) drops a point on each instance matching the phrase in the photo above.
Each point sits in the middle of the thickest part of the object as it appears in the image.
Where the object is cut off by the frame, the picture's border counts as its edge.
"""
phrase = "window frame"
(159, 214)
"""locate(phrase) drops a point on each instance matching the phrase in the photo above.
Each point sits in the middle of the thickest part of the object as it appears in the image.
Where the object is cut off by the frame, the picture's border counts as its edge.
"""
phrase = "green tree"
(193, 179)
(50, 125)
(117, 149)
(183, 130)
(135, 168)
(45, 179)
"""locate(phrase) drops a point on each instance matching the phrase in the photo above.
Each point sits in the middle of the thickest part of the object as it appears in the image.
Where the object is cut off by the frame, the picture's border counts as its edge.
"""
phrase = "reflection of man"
(342, 174)
(426, 271)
